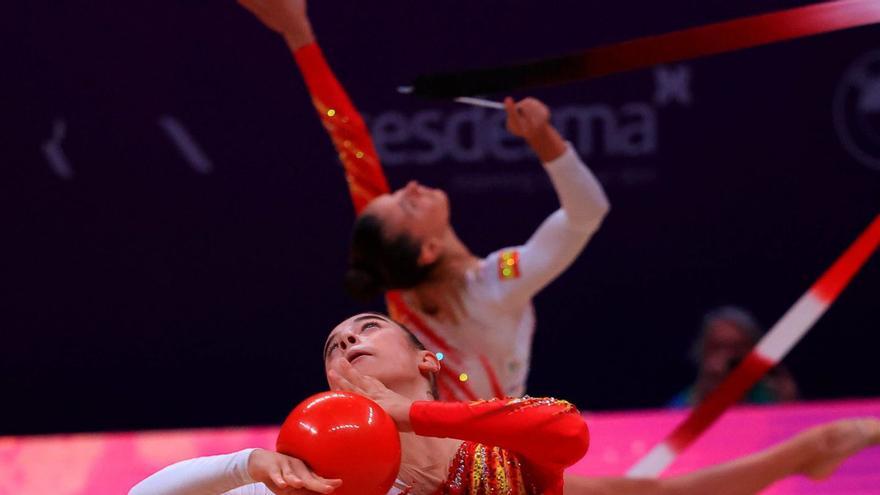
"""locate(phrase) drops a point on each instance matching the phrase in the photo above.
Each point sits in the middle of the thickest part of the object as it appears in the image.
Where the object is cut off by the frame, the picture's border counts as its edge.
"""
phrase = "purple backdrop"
(175, 222)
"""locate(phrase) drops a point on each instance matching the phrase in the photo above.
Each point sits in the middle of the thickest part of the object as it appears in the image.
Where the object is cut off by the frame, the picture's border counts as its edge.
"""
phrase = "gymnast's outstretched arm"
(346, 127)
(815, 453)
(247, 472)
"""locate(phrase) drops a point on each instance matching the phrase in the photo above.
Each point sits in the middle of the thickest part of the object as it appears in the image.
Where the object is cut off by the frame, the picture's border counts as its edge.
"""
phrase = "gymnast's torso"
(487, 352)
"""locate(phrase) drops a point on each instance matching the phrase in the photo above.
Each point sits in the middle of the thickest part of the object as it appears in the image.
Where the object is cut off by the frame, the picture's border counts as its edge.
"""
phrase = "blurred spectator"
(727, 336)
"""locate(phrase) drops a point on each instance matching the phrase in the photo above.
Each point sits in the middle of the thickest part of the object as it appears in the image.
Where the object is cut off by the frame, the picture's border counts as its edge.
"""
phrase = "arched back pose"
(503, 446)
(476, 311)
(497, 447)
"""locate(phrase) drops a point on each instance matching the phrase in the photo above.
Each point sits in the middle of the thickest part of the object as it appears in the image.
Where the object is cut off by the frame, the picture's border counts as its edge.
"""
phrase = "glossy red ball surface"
(346, 436)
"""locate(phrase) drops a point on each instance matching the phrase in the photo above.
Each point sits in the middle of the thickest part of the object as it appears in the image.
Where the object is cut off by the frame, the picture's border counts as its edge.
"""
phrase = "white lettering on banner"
(470, 135)
(476, 134)
(174, 129)
(58, 161)
(630, 132)
(186, 144)
(672, 84)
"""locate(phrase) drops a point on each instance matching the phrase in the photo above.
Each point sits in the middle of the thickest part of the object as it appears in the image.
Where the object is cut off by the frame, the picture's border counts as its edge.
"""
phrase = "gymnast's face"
(419, 211)
(378, 347)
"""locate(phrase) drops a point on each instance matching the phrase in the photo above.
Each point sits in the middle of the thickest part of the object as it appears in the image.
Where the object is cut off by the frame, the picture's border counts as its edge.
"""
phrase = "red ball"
(346, 436)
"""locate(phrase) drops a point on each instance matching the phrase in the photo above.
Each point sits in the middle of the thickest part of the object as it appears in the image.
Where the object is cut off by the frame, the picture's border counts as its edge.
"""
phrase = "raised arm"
(346, 127)
(523, 271)
(247, 472)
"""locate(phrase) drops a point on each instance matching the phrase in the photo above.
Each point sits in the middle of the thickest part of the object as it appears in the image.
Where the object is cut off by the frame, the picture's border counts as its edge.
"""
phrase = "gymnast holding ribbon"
(476, 311)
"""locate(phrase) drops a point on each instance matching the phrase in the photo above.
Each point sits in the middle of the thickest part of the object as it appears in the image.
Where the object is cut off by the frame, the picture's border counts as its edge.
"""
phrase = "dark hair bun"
(362, 285)
(378, 263)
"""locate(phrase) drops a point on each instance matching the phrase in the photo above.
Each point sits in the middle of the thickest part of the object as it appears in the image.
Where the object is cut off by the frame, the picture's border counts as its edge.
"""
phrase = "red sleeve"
(544, 431)
(346, 127)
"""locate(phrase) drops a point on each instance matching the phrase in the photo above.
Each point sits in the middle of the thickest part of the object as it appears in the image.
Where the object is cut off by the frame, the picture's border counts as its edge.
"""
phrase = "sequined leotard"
(512, 446)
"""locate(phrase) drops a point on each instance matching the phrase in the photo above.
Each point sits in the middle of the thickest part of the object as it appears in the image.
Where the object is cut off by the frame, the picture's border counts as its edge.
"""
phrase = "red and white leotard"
(509, 447)
(492, 344)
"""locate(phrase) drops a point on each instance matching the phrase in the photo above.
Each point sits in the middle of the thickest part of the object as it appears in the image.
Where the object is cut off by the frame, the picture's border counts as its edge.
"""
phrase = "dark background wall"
(145, 289)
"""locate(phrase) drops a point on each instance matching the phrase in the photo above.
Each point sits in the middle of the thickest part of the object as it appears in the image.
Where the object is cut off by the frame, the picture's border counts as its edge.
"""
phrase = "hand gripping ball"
(346, 436)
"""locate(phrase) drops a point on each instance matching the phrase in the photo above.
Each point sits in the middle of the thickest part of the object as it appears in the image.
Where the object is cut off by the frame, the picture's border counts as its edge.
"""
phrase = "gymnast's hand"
(287, 17)
(343, 376)
(530, 120)
(527, 117)
(285, 475)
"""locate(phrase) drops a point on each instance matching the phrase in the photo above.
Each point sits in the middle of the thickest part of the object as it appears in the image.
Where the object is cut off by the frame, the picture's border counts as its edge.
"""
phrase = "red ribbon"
(639, 53)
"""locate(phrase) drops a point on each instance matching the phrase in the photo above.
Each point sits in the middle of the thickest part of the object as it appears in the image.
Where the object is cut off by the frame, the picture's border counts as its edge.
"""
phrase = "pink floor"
(112, 463)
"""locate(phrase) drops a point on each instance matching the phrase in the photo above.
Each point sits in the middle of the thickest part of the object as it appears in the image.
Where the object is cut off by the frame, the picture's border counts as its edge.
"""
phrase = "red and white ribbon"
(787, 332)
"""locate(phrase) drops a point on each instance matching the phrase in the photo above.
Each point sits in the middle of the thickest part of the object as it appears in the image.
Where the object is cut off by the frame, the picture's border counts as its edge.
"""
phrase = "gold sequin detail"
(508, 265)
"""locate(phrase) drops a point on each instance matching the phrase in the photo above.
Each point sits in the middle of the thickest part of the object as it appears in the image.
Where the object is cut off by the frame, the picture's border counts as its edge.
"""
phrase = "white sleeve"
(215, 475)
(561, 237)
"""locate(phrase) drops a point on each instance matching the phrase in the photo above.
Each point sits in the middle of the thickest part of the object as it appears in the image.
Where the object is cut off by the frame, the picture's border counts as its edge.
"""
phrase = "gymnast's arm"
(247, 472)
(227, 474)
(346, 127)
(562, 236)
(545, 431)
